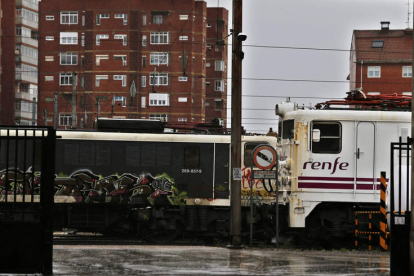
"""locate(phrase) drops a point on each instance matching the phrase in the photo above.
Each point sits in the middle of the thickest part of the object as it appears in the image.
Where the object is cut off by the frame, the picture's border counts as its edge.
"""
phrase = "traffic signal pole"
(236, 93)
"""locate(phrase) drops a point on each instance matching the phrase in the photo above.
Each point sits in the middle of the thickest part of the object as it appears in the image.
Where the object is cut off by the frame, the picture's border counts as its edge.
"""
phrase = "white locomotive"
(331, 159)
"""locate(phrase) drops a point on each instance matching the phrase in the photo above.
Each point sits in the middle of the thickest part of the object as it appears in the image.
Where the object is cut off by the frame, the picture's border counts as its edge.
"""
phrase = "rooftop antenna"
(408, 14)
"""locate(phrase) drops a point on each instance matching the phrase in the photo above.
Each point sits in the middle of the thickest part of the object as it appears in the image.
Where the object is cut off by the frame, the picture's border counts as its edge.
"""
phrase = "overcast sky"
(301, 23)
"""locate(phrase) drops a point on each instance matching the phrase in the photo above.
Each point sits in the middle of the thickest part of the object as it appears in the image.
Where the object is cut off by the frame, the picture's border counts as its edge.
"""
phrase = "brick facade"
(19, 62)
(383, 58)
(114, 46)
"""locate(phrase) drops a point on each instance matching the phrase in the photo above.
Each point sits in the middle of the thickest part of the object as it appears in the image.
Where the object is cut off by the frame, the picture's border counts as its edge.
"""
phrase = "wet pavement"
(200, 260)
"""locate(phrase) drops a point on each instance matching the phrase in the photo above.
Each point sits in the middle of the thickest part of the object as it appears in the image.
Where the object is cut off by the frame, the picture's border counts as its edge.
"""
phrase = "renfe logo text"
(327, 165)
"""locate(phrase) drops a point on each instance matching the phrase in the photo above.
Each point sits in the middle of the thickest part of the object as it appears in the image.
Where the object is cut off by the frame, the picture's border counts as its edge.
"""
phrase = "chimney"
(385, 26)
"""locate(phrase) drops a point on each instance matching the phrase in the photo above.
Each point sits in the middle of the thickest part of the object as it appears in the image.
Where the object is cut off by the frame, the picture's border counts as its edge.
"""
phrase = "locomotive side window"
(330, 137)
(191, 157)
(288, 129)
(248, 150)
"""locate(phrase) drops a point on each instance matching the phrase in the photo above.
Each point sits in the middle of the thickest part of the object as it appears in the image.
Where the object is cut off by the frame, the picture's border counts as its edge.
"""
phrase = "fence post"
(383, 215)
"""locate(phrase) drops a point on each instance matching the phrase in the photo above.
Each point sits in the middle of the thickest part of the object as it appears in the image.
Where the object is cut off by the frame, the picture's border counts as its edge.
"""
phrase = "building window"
(183, 120)
(99, 37)
(208, 25)
(144, 20)
(182, 78)
(98, 79)
(49, 78)
(143, 102)
(159, 99)
(208, 64)
(330, 137)
(99, 58)
(182, 99)
(218, 104)
(219, 85)
(65, 79)
(83, 20)
(50, 17)
(124, 17)
(374, 71)
(159, 38)
(101, 16)
(161, 117)
(69, 38)
(407, 93)
(157, 19)
(50, 38)
(160, 79)
(377, 44)
(123, 37)
(373, 93)
(158, 58)
(121, 78)
(121, 57)
(144, 61)
(183, 37)
(407, 71)
(68, 58)
(144, 41)
(184, 17)
(120, 99)
(69, 18)
(83, 40)
(143, 81)
(219, 65)
(65, 119)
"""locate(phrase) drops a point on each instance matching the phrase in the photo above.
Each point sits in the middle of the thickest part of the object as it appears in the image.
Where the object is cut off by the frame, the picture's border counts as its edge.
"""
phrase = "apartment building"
(19, 62)
(380, 60)
(132, 59)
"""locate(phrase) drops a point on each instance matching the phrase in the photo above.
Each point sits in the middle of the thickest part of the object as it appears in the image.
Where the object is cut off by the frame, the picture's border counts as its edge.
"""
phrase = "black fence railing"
(27, 160)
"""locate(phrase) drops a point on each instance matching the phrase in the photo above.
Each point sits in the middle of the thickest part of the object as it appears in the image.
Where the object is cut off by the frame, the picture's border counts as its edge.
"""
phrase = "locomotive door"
(365, 157)
(221, 174)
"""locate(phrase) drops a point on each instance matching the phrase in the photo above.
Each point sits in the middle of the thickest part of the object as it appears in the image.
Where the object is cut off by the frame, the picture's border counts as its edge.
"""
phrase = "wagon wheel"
(161, 234)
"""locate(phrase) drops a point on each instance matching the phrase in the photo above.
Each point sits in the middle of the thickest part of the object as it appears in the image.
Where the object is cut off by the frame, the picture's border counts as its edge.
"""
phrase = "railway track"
(97, 239)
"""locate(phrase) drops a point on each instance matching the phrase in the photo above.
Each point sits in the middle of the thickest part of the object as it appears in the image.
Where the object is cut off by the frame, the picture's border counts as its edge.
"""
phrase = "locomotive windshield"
(288, 129)
(330, 137)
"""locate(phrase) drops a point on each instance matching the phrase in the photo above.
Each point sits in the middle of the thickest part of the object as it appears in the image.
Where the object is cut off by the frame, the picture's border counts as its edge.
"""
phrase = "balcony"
(24, 21)
(26, 59)
(27, 4)
(27, 40)
(23, 114)
(24, 96)
(22, 76)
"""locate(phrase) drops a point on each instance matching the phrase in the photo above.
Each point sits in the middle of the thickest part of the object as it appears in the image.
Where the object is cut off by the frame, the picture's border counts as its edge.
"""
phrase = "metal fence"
(400, 207)
(27, 160)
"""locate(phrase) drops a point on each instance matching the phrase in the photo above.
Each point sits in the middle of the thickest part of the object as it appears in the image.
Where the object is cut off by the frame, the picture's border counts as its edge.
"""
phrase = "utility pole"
(236, 103)
(412, 166)
(74, 80)
(55, 115)
(34, 111)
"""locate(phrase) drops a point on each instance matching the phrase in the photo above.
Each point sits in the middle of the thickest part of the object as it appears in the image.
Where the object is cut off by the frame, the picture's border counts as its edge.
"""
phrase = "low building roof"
(380, 45)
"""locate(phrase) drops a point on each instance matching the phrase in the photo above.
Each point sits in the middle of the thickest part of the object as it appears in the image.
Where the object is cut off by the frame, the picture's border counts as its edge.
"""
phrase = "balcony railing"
(22, 76)
(28, 4)
(27, 40)
(24, 96)
(24, 21)
(26, 59)
(23, 114)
